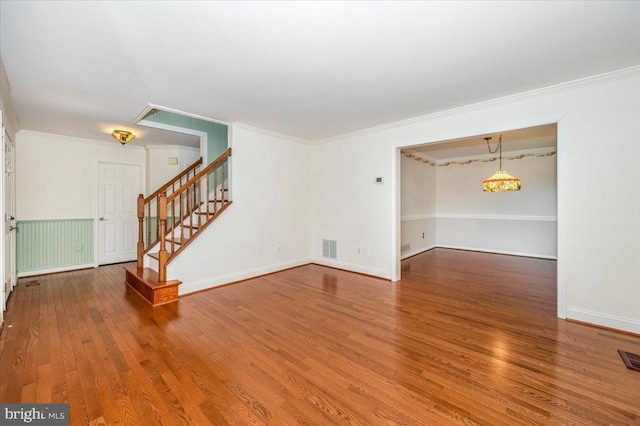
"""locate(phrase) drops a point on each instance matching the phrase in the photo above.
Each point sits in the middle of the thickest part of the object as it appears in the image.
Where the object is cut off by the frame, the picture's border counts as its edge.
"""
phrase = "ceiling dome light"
(501, 180)
(122, 136)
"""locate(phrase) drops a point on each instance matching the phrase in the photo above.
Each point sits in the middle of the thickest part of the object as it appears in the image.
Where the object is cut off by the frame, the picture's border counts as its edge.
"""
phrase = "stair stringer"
(150, 262)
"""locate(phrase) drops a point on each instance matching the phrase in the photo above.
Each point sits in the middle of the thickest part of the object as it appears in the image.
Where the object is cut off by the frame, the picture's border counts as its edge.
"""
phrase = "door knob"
(102, 218)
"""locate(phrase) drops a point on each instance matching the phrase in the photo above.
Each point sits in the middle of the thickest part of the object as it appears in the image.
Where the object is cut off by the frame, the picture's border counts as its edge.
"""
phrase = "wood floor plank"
(464, 338)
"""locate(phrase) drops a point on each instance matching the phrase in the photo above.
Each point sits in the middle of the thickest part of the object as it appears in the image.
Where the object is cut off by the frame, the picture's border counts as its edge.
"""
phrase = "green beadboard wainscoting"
(51, 244)
(217, 133)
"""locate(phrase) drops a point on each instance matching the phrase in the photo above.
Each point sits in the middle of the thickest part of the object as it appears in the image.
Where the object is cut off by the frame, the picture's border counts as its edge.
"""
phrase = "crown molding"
(77, 139)
(585, 81)
(250, 128)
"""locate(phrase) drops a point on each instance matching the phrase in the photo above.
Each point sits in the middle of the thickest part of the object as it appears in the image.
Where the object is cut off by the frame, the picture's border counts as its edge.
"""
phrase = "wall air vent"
(330, 249)
(405, 247)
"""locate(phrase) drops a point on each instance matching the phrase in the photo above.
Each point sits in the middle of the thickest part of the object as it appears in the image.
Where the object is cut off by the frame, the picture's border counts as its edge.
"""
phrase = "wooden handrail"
(174, 180)
(200, 175)
(188, 209)
(148, 233)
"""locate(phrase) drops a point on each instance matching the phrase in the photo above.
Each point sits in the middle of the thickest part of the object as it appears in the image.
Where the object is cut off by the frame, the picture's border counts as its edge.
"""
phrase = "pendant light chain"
(501, 180)
(499, 147)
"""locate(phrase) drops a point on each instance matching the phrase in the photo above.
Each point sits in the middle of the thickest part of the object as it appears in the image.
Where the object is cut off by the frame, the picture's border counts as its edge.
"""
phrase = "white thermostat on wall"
(379, 181)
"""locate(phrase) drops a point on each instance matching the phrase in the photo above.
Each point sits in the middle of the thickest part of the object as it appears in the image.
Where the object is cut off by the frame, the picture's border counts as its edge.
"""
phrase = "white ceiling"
(305, 69)
(515, 140)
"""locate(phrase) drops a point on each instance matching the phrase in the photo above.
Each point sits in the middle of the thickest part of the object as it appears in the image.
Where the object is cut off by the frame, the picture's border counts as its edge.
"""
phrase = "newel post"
(140, 259)
(162, 254)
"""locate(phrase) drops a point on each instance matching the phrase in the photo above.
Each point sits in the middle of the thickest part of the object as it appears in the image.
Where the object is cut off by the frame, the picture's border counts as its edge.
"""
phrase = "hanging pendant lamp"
(501, 180)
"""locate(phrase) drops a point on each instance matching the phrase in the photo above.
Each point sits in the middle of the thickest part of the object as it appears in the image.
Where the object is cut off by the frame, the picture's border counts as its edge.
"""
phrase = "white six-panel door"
(118, 189)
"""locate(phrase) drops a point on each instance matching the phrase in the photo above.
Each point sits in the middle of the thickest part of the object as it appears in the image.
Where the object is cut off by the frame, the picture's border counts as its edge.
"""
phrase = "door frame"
(4, 250)
(561, 149)
(12, 213)
(3, 306)
(96, 215)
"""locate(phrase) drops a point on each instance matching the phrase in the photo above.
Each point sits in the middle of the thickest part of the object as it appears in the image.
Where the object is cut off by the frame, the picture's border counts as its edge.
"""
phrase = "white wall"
(418, 209)
(349, 207)
(159, 171)
(187, 156)
(9, 117)
(507, 235)
(522, 222)
(271, 207)
(459, 187)
(56, 176)
(598, 226)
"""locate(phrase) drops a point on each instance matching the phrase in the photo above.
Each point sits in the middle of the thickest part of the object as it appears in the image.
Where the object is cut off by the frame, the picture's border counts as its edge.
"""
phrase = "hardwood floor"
(464, 338)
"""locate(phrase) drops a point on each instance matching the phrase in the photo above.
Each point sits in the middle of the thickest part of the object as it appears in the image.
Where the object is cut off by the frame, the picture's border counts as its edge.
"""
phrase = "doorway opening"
(442, 204)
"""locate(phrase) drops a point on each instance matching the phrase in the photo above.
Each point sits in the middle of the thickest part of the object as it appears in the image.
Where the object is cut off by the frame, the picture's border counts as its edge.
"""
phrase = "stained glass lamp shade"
(501, 180)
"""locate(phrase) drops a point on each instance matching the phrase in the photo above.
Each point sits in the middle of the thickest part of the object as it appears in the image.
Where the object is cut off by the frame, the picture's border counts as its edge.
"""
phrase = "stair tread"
(192, 234)
(177, 240)
(156, 256)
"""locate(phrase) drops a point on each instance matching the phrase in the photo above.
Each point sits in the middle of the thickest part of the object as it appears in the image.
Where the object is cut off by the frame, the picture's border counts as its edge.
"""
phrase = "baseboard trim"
(196, 286)
(350, 271)
(54, 270)
(378, 273)
(417, 252)
(509, 253)
(496, 217)
(466, 216)
(602, 327)
(604, 320)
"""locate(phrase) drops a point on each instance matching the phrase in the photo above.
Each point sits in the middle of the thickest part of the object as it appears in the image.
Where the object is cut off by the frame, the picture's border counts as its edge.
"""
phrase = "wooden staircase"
(184, 207)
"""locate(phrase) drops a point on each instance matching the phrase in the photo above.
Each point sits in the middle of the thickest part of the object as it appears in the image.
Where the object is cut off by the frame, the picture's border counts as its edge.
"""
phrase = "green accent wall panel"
(217, 134)
(49, 244)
